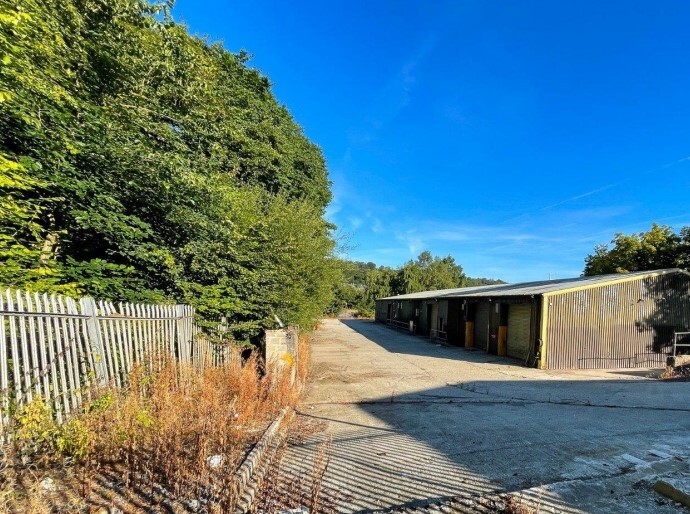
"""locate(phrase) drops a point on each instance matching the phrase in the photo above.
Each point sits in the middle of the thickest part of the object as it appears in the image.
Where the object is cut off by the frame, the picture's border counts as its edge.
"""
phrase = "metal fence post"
(88, 308)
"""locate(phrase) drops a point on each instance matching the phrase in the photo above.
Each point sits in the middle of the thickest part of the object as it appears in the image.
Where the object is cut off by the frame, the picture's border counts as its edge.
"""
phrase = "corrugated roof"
(529, 288)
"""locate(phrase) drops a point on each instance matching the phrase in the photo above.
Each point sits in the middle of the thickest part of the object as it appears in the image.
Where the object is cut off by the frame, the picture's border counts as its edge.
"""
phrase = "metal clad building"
(607, 321)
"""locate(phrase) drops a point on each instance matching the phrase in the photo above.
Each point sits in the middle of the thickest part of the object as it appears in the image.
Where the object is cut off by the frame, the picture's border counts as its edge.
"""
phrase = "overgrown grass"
(176, 433)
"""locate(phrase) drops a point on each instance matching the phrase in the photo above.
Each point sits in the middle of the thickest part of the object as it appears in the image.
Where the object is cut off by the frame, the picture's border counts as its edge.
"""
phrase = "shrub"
(39, 436)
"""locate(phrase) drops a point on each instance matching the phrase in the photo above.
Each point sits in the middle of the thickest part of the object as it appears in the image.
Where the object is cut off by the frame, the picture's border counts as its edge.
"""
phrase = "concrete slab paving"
(411, 423)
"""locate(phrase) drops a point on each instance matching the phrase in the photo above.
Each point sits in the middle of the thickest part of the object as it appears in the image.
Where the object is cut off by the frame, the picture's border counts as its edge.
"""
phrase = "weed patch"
(679, 373)
(175, 436)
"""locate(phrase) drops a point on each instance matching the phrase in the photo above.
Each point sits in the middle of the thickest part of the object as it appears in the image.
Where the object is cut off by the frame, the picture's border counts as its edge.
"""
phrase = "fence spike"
(61, 350)
(57, 348)
(68, 354)
(53, 355)
(45, 364)
(33, 347)
(4, 376)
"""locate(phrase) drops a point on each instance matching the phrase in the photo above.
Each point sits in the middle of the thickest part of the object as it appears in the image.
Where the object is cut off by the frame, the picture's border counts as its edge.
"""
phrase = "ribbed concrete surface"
(416, 427)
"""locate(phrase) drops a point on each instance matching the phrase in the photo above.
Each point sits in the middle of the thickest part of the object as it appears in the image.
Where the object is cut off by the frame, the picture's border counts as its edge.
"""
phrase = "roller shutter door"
(519, 318)
(481, 326)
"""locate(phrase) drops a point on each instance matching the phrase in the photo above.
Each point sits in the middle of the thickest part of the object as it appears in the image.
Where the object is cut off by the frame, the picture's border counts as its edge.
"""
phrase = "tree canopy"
(138, 162)
(363, 283)
(427, 273)
(660, 247)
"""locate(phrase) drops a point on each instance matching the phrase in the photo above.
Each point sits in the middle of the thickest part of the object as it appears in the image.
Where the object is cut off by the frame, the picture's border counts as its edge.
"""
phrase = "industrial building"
(606, 321)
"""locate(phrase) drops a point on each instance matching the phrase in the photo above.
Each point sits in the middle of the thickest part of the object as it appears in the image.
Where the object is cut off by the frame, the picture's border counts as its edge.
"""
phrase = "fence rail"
(682, 336)
(59, 348)
(405, 325)
(438, 334)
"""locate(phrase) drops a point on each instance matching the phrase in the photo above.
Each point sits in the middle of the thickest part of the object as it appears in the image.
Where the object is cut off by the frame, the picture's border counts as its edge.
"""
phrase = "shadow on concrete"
(585, 442)
(413, 344)
(645, 373)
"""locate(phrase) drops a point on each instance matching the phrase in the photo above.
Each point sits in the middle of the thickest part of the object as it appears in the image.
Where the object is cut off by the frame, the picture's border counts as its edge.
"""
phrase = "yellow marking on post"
(502, 340)
(469, 334)
(544, 327)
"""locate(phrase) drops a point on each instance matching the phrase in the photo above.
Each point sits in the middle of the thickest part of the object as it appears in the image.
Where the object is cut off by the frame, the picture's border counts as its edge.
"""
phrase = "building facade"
(607, 321)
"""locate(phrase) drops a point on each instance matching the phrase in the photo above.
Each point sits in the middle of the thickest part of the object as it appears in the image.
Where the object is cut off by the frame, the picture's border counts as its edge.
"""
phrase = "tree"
(141, 163)
(379, 284)
(473, 282)
(660, 247)
(428, 273)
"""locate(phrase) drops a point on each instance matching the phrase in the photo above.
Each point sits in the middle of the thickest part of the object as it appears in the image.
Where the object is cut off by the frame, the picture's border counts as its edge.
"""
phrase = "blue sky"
(512, 135)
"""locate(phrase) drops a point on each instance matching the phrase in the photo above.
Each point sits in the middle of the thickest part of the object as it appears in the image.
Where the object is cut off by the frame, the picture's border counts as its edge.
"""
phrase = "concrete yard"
(413, 423)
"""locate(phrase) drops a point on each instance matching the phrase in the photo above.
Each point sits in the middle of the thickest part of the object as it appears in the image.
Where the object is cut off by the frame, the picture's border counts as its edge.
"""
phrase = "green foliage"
(39, 435)
(363, 283)
(364, 312)
(660, 247)
(102, 403)
(73, 439)
(36, 428)
(428, 273)
(474, 282)
(355, 273)
(380, 283)
(141, 163)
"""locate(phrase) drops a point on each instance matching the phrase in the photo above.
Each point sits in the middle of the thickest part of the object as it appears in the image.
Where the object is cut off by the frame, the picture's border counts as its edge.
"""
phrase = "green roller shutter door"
(481, 326)
(519, 319)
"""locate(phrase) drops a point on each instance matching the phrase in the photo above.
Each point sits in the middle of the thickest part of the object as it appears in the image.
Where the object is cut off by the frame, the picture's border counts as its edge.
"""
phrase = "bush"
(38, 436)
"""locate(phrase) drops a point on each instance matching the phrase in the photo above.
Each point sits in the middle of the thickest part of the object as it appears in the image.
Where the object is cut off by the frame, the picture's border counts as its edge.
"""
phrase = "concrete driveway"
(413, 423)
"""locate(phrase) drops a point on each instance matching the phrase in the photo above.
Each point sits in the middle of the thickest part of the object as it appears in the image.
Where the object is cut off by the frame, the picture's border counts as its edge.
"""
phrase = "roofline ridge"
(599, 280)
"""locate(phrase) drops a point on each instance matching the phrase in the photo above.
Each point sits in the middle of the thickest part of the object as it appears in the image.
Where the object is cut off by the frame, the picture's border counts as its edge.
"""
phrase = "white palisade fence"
(59, 349)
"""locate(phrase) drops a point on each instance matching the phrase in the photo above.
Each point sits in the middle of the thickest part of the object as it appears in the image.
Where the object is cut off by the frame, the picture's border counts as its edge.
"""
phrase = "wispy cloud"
(355, 222)
(377, 226)
(333, 208)
(513, 252)
(629, 178)
(413, 240)
(394, 96)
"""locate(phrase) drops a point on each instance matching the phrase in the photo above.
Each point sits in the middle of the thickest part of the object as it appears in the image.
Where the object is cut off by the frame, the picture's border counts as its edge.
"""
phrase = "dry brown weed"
(173, 437)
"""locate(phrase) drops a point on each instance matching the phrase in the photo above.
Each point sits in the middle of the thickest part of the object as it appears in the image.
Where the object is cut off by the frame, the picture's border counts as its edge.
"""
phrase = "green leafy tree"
(379, 284)
(660, 247)
(141, 163)
(472, 282)
(427, 273)
(364, 283)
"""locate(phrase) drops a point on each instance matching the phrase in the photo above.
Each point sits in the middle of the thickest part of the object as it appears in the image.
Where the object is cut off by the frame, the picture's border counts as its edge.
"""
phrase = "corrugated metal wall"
(519, 330)
(407, 311)
(423, 327)
(629, 324)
